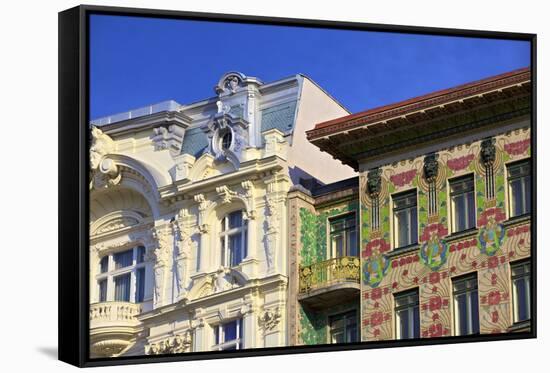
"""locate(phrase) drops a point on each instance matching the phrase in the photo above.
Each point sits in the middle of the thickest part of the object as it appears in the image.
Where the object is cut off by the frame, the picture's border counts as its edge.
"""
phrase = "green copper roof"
(194, 142)
(279, 116)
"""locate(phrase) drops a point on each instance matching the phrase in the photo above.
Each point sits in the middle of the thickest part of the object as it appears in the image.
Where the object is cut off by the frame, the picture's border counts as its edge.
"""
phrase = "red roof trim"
(417, 103)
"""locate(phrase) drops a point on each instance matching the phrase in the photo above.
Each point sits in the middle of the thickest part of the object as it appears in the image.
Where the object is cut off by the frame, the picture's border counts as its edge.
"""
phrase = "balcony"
(113, 327)
(329, 282)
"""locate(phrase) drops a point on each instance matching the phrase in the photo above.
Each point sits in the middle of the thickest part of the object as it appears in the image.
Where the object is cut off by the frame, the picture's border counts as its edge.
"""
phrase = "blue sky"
(136, 62)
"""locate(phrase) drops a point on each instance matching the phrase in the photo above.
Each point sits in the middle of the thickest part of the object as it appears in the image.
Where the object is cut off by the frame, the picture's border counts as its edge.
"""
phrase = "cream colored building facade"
(188, 216)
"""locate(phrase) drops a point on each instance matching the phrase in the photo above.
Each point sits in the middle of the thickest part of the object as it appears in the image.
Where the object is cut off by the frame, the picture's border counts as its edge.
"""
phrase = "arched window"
(121, 276)
(233, 239)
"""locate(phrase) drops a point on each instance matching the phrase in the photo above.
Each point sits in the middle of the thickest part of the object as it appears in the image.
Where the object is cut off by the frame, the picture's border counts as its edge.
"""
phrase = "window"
(407, 316)
(229, 336)
(519, 188)
(121, 276)
(521, 287)
(343, 236)
(463, 214)
(233, 239)
(226, 139)
(405, 219)
(343, 328)
(466, 310)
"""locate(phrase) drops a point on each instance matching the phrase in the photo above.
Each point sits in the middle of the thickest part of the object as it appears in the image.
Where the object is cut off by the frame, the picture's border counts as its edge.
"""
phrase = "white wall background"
(28, 208)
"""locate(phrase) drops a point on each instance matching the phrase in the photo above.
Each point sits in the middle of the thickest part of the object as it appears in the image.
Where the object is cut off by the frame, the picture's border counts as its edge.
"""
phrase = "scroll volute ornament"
(374, 182)
(488, 151)
(431, 166)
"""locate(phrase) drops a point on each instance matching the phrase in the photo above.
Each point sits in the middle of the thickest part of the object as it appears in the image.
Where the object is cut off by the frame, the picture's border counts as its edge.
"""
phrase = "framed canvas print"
(237, 186)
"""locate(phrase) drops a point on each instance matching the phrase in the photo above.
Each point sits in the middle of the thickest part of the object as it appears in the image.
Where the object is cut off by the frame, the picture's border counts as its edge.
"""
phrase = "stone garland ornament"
(491, 233)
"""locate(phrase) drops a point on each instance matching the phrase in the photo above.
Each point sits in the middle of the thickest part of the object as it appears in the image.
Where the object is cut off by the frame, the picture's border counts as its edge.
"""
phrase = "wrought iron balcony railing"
(329, 272)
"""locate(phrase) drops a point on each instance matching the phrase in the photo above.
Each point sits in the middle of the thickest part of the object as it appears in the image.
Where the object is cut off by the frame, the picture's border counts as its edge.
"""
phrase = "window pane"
(462, 312)
(474, 312)
(123, 259)
(403, 228)
(103, 290)
(459, 213)
(235, 246)
(140, 284)
(104, 264)
(140, 258)
(471, 210)
(416, 326)
(527, 194)
(517, 197)
(235, 219)
(122, 288)
(230, 331)
(403, 317)
(414, 227)
(352, 242)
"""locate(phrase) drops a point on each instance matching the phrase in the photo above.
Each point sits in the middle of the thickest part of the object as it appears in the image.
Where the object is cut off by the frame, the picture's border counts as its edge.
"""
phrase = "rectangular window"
(124, 259)
(466, 306)
(102, 290)
(343, 328)
(343, 236)
(463, 214)
(519, 188)
(122, 288)
(104, 264)
(140, 284)
(521, 287)
(234, 231)
(407, 316)
(405, 219)
(229, 336)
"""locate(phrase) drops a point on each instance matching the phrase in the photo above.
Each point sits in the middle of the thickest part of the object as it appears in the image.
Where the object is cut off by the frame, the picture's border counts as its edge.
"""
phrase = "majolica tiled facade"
(445, 238)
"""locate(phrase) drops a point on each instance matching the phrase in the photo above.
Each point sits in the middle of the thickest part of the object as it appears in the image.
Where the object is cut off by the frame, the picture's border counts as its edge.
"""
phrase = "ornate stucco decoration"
(225, 279)
(204, 204)
(104, 171)
(374, 182)
(169, 137)
(488, 151)
(271, 231)
(182, 229)
(431, 166)
(177, 344)
(226, 195)
(161, 254)
(269, 319)
(230, 83)
(488, 156)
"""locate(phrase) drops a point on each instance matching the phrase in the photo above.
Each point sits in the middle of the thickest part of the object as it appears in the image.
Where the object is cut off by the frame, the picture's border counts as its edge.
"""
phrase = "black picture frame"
(74, 169)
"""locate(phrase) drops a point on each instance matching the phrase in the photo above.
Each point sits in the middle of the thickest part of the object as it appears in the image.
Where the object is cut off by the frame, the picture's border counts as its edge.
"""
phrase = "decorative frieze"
(173, 345)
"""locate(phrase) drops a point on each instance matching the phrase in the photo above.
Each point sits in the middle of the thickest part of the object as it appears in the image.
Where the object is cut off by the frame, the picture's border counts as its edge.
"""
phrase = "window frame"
(347, 249)
(413, 239)
(452, 210)
(112, 273)
(467, 291)
(219, 335)
(414, 326)
(509, 179)
(345, 316)
(513, 277)
(226, 233)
